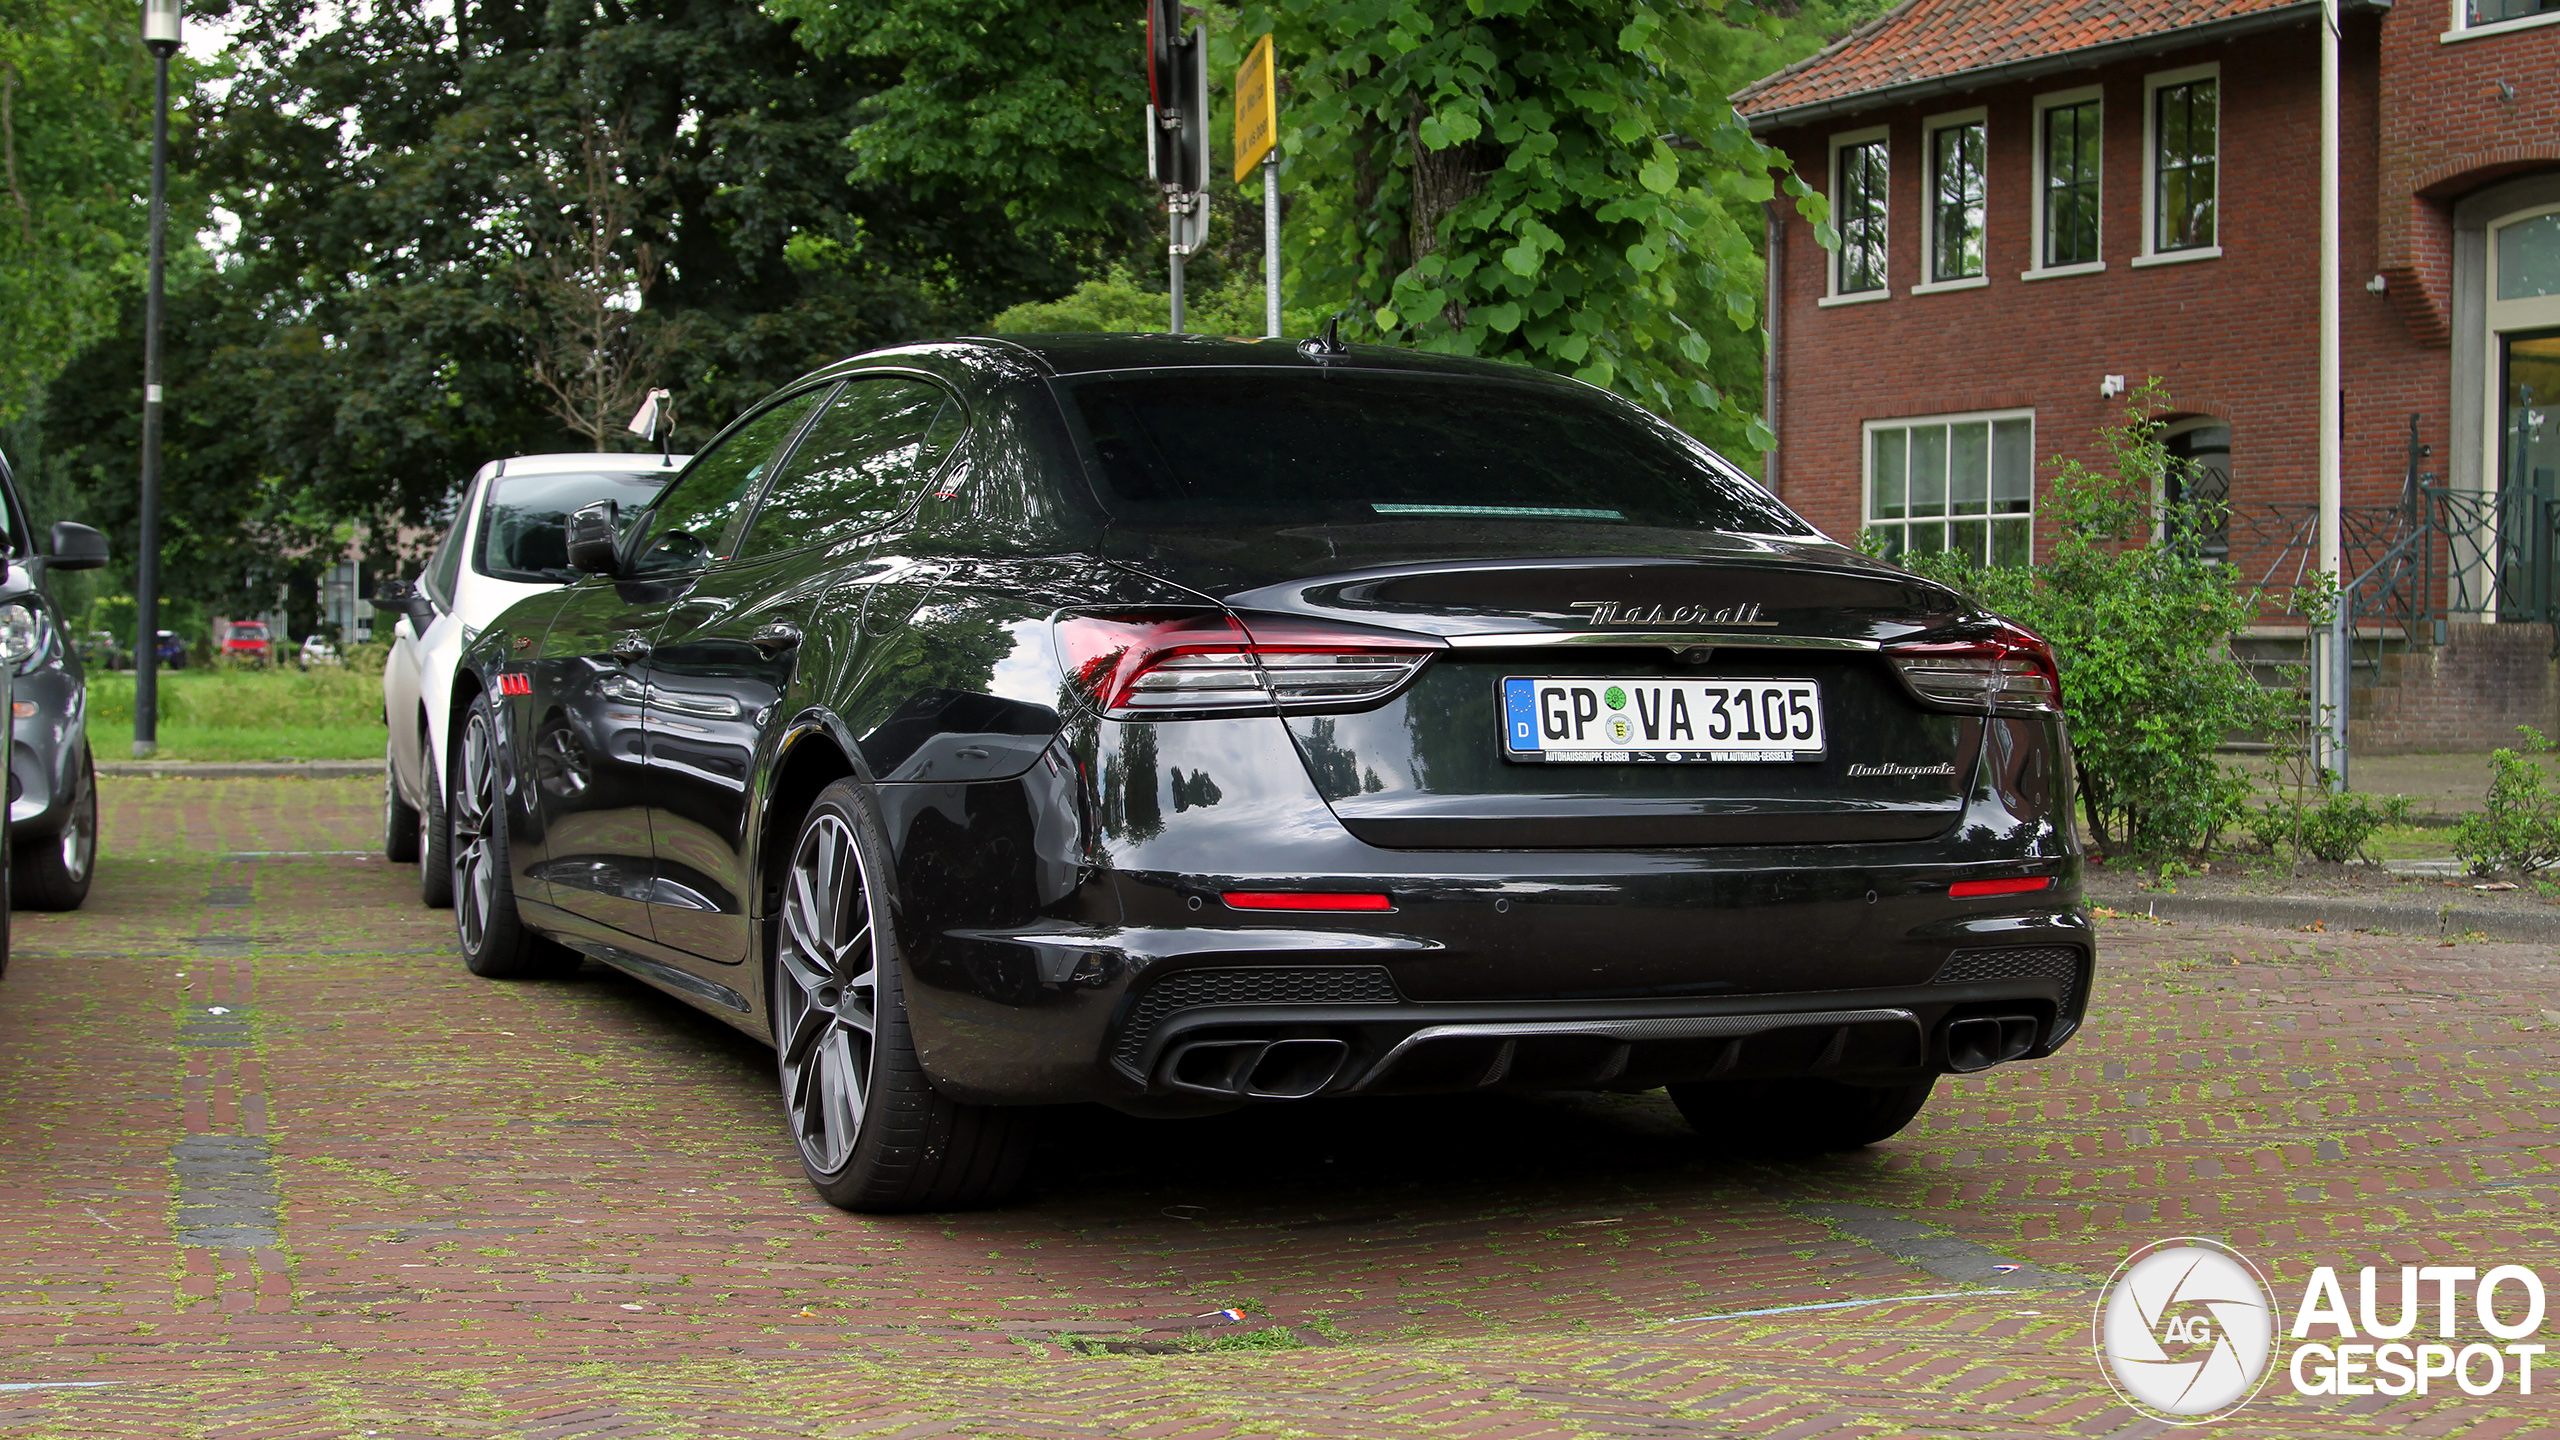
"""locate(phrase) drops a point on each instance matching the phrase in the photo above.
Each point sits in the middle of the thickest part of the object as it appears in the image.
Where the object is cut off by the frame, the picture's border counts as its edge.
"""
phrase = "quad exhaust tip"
(1978, 1042)
(1255, 1069)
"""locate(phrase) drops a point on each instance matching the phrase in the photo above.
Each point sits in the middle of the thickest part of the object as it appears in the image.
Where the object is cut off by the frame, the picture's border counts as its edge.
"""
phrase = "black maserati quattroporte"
(1179, 723)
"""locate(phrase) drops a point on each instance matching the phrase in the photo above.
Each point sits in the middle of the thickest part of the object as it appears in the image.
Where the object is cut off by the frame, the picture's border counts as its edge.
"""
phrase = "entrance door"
(2528, 473)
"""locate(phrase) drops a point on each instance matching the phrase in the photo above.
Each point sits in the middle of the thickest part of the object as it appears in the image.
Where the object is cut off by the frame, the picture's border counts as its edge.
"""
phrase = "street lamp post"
(160, 36)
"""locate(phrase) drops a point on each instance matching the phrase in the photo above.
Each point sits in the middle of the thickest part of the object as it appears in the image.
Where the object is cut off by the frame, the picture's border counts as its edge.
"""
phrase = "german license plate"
(1597, 720)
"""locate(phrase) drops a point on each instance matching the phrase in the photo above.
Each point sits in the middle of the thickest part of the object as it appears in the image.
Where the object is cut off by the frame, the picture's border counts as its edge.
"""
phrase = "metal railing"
(2440, 552)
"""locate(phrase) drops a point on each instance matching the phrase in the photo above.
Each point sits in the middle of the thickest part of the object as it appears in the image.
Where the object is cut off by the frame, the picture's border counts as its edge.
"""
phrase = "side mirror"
(595, 538)
(77, 547)
(402, 597)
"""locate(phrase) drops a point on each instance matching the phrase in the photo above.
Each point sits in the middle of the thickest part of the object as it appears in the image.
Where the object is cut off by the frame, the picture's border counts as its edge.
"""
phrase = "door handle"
(632, 646)
(776, 639)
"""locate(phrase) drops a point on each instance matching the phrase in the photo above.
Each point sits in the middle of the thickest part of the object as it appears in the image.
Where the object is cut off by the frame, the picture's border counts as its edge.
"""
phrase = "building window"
(1865, 175)
(2529, 258)
(2185, 153)
(2070, 160)
(1954, 482)
(1955, 201)
(1861, 174)
(2490, 12)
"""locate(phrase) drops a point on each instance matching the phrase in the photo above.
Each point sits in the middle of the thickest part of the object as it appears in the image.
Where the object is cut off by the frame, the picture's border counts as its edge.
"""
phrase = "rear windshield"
(1257, 446)
(524, 524)
(248, 632)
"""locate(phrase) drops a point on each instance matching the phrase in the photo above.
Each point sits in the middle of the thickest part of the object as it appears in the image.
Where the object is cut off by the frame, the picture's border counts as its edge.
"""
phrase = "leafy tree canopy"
(75, 174)
(1555, 181)
(428, 198)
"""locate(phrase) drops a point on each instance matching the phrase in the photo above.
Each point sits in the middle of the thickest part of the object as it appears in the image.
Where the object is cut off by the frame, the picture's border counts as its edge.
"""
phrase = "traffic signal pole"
(1258, 144)
(1271, 245)
(1178, 134)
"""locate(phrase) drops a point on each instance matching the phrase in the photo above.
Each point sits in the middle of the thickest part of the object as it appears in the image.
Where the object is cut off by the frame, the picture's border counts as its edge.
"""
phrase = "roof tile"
(1932, 39)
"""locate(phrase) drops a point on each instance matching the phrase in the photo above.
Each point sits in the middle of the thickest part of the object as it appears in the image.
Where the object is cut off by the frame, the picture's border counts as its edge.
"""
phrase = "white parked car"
(508, 540)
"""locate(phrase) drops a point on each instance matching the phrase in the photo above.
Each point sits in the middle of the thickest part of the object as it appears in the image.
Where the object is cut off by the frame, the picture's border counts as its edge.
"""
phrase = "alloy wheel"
(827, 993)
(78, 847)
(474, 811)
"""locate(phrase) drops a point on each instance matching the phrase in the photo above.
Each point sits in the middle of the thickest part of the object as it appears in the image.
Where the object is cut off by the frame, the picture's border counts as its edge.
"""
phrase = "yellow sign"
(1257, 109)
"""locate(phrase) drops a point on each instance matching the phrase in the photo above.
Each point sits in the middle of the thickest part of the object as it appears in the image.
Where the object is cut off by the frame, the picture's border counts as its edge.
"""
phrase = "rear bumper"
(1068, 940)
(1432, 997)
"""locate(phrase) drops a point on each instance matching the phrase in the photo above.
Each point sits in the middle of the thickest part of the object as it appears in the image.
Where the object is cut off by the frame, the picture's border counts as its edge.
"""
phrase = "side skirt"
(656, 965)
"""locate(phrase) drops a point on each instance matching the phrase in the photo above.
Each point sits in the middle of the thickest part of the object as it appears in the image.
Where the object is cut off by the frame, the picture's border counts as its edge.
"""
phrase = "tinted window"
(1283, 447)
(858, 467)
(524, 524)
(692, 519)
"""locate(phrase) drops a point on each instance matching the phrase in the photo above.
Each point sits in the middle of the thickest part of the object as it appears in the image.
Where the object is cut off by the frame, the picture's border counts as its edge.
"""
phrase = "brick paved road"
(276, 1166)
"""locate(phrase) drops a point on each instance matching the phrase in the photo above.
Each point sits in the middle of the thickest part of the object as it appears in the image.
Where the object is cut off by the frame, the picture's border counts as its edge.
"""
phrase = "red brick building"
(2034, 197)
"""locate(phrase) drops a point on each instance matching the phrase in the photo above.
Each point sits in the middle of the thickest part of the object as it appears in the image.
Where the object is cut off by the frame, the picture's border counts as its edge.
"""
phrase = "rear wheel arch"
(466, 689)
(431, 777)
(810, 760)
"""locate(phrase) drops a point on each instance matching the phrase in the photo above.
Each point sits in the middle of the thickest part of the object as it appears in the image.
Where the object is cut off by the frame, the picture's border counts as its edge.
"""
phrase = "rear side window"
(524, 522)
(859, 465)
(692, 520)
(1254, 446)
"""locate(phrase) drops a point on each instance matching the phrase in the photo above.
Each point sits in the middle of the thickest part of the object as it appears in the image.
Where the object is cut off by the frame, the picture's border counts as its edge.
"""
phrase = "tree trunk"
(1443, 180)
(1368, 184)
(2093, 799)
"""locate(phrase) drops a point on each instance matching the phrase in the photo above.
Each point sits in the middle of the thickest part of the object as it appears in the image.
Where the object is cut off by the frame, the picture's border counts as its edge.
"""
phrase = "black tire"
(872, 1133)
(7, 896)
(399, 820)
(434, 841)
(496, 944)
(52, 872)
(1798, 1117)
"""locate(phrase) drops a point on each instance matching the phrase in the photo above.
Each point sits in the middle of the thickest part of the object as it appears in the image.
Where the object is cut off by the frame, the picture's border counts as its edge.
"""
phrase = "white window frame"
(1929, 129)
(1867, 463)
(1831, 292)
(2537, 312)
(2036, 268)
(2458, 24)
(2152, 85)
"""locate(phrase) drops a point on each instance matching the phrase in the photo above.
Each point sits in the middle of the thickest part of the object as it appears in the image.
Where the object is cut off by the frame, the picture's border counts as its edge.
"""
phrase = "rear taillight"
(2006, 668)
(2024, 885)
(1209, 662)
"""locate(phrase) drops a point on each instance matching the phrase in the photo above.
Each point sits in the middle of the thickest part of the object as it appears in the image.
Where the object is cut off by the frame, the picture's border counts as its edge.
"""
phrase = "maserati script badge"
(1618, 612)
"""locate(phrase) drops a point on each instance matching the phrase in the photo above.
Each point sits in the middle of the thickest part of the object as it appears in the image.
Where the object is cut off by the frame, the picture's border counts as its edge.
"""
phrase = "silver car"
(508, 541)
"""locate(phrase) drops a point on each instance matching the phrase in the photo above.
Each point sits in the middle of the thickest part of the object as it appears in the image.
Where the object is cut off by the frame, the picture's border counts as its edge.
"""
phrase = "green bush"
(1116, 305)
(2333, 830)
(2142, 629)
(2520, 828)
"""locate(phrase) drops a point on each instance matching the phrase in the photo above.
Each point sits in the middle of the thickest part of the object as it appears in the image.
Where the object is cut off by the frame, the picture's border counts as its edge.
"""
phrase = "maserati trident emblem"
(1618, 612)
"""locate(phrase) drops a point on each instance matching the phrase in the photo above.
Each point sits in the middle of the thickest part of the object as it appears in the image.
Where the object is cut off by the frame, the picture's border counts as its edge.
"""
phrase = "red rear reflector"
(1304, 900)
(1963, 888)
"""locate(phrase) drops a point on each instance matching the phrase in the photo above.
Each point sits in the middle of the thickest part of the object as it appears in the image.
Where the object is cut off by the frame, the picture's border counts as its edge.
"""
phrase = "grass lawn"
(330, 713)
